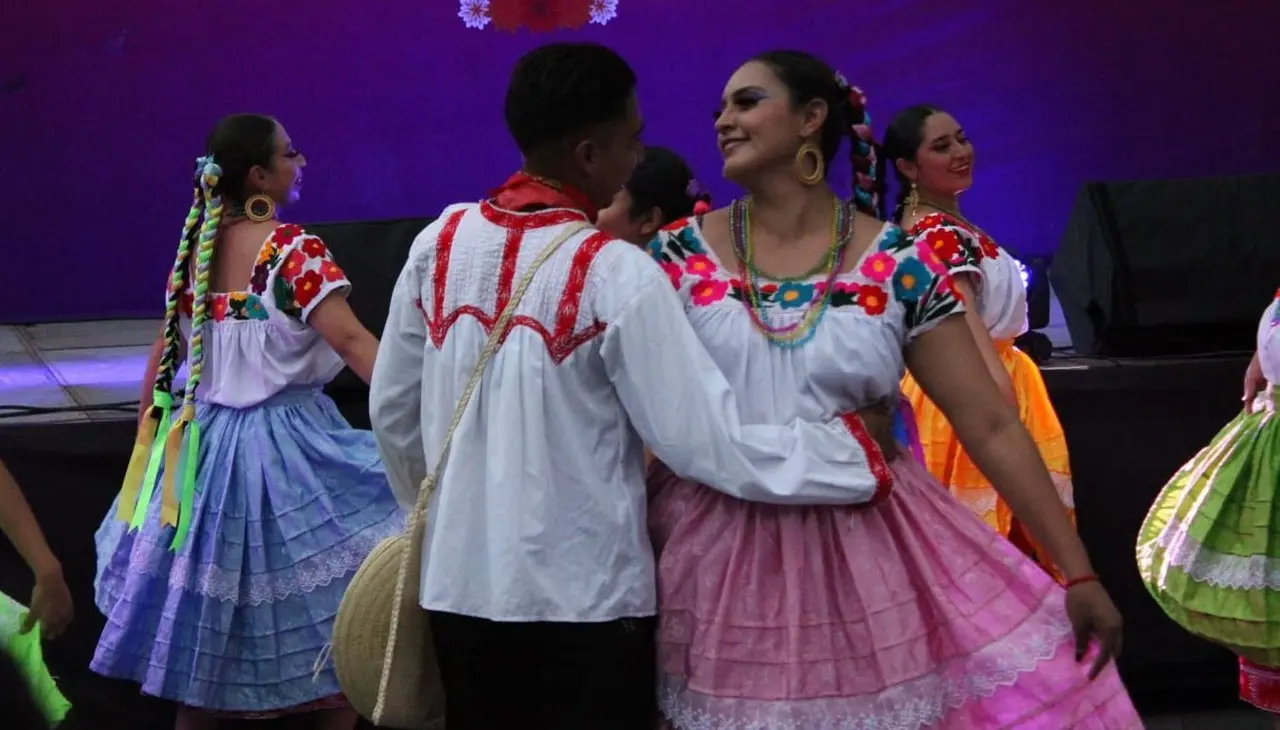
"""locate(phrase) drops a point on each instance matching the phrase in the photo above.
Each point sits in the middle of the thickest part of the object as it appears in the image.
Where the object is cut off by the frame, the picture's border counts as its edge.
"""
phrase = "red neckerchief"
(524, 193)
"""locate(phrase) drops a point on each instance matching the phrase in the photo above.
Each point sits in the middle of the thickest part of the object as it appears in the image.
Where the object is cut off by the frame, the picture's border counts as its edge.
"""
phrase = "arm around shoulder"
(687, 414)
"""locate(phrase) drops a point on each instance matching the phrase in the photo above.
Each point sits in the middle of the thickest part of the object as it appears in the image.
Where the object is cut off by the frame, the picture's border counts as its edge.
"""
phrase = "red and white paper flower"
(536, 16)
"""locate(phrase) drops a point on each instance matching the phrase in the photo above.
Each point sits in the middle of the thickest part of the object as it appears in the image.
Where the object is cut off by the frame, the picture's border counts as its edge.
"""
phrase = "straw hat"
(368, 620)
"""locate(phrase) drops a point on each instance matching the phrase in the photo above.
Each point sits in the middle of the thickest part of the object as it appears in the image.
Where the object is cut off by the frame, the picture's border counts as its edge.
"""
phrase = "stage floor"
(66, 395)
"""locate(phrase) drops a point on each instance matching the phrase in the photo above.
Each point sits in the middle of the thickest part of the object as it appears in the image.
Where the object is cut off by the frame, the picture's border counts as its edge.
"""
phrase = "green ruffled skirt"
(26, 653)
(1209, 549)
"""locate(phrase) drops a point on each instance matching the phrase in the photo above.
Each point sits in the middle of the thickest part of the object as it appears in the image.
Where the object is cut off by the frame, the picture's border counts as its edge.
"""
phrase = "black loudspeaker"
(372, 253)
(1168, 267)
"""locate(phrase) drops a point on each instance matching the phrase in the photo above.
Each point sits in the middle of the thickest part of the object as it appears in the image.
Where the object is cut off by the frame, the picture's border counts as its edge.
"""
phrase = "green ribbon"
(163, 401)
(187, 497)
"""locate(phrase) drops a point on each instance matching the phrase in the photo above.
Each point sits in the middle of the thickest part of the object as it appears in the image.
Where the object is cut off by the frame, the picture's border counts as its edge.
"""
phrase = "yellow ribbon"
(169, 505)
(133, 475)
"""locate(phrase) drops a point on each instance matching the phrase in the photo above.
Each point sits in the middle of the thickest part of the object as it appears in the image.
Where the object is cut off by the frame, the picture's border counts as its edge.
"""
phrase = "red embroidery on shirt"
(563, 340)
(541, 219)
(875, 457)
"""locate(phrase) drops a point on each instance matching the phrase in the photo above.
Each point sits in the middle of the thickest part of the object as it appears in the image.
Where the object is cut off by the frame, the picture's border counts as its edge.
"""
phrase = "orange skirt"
(946, 459)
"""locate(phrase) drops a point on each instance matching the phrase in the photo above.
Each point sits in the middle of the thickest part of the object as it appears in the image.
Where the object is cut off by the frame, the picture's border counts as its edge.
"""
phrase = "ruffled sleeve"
(307, 275)
(959, 248)
(922, 283)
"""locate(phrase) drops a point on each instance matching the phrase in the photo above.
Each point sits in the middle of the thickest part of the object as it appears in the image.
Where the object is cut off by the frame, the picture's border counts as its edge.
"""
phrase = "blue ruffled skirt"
(289, 501)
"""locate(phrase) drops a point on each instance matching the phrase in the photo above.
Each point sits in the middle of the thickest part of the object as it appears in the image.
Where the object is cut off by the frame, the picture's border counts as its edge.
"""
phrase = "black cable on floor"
(20, 411)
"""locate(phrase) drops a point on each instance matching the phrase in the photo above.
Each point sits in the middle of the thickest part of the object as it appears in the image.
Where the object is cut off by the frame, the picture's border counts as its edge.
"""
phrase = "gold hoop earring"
(807, 150)
(259, 208)
(913, 200)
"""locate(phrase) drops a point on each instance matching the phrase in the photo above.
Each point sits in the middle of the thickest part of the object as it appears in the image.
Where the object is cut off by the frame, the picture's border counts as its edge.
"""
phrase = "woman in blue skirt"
(249, 502)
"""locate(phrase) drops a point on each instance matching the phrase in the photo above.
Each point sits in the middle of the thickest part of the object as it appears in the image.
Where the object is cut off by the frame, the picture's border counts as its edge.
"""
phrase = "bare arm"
(950, 368)
(990, 356)
(19, 525)
(338, 325)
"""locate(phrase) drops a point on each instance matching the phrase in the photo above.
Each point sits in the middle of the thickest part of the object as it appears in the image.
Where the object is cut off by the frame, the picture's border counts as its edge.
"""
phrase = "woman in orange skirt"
(933, 159)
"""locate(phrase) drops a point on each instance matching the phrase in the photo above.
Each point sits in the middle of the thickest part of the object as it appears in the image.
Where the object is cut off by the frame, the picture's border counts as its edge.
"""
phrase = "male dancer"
(539, 574)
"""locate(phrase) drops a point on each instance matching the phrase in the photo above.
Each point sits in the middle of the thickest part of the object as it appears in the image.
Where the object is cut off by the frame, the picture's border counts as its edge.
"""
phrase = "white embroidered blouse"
(897, 290)
(997, 277)
(541, 512)
(257, 341)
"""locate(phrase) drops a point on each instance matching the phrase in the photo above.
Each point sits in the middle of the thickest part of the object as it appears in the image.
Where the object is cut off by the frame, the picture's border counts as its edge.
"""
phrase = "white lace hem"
(308, 575)
(912, 705)
(1204, 565)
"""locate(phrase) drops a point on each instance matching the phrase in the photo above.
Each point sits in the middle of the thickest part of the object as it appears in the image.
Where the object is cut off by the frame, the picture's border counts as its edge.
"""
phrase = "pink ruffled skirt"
(905, 615)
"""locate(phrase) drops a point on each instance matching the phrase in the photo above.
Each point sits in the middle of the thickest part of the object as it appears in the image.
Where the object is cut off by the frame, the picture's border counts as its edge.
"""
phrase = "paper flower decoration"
(536, 16)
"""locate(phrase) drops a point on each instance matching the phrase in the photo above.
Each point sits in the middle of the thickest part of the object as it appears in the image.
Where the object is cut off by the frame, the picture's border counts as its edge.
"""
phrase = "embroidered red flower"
(700, 265)
(947, 285)
(283, 235)
(930, 259)
(331, 271)
(185, 301)
(306, 287)
(218, 308)
(314, 248)
(872, 298)
(539, 16)
(989, 248)
(708, 291)
(879, 266)
(768, 289)
(293, 265)
(673, 273)
(945, 244)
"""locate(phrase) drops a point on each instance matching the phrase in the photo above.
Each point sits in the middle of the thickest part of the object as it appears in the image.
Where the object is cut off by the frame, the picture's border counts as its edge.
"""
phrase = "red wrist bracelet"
(1091, 578)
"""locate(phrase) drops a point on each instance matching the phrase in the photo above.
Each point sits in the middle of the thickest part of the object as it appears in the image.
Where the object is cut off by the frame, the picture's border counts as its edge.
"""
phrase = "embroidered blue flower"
(655, 246)
(911, 280)
(254, 309)
(791, 294)
(894, 238)
(689, 240)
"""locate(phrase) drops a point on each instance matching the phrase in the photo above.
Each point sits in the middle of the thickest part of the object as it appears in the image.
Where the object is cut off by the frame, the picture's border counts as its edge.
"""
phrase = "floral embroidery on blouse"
(306, 272)
(269, 256)
(239, 306)
(954, 242)
(1275, 310)
(900, 268)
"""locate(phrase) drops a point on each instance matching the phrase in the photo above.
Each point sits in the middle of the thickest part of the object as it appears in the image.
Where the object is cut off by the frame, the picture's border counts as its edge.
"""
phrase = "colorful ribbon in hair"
(144, 463)
(179, 483)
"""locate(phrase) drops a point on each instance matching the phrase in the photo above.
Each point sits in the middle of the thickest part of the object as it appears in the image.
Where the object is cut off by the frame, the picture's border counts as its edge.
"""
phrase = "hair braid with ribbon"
(213, 210)
(868, 172)
(144, 463)
(179, 463)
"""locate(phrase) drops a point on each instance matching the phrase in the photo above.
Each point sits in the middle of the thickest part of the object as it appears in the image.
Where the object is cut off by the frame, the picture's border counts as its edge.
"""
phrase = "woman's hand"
(50, 605)
(1254, 382)
(1093, 615)
(877, 418)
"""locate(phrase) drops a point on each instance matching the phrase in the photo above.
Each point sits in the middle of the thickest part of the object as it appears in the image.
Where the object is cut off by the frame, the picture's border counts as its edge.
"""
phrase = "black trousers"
(547, 676)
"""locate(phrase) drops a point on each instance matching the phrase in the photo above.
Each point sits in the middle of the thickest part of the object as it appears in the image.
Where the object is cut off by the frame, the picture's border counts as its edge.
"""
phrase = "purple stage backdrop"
(104, 105)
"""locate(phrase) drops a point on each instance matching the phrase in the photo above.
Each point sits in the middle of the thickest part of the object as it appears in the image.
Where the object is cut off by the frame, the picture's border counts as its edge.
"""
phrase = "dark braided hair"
(902, 139)
(808, 77)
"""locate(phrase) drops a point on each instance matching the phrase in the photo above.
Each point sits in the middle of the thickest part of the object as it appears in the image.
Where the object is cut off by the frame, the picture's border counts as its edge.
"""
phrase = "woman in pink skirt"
(903, 614)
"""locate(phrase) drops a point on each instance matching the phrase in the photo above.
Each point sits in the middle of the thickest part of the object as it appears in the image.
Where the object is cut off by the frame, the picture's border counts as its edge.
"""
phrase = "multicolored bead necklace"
(801, 331)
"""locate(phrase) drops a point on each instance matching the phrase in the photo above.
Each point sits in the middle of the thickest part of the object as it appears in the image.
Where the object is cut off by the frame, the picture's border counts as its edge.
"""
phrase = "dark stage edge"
(1130, 425)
